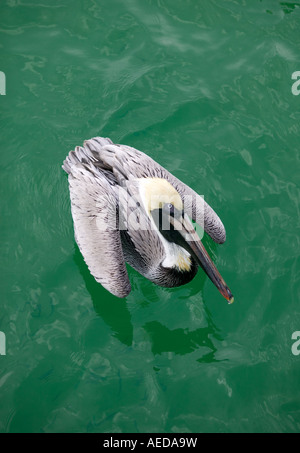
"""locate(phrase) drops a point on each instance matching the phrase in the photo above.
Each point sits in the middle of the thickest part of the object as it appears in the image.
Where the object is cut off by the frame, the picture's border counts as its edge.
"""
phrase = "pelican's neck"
(176, 257)
(159, 189)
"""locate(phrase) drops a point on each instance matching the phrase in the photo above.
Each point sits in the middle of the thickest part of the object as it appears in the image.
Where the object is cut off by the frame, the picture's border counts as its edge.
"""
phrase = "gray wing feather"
(126, 162)
(94, 208)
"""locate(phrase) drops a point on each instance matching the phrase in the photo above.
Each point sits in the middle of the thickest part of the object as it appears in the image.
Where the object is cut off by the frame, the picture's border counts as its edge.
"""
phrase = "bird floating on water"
(127, 208)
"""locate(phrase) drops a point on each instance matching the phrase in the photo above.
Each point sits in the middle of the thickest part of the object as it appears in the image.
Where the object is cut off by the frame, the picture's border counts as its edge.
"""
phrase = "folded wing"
(95, 210)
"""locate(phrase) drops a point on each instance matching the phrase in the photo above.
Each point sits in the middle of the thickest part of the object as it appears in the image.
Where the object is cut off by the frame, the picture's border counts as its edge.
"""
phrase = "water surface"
(205, 89)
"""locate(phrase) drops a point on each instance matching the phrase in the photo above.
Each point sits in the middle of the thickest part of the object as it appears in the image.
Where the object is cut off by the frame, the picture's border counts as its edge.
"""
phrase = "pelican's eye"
(169, 208)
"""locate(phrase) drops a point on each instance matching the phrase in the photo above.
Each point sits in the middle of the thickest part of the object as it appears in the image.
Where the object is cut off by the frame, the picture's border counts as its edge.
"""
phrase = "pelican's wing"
(126, 162)
(94, 211)
(200, 211)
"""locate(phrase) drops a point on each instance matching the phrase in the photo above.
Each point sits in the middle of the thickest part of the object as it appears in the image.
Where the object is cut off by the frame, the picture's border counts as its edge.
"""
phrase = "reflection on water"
(116, 315)
(289, 7)
(113, 311)
(178, 341)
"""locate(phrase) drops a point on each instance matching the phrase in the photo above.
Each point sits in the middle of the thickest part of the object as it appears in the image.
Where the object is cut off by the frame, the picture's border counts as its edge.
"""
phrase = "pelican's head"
(158, 192)
(164, 205)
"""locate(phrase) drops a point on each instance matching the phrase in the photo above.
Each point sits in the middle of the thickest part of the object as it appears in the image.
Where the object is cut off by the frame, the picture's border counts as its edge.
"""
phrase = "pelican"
(126, 208)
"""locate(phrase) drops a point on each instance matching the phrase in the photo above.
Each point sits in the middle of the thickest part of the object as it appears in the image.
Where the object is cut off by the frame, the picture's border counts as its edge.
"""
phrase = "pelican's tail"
(85, 155)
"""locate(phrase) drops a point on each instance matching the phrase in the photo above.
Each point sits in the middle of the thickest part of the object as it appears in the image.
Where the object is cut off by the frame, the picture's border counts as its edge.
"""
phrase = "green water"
(203, 87)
